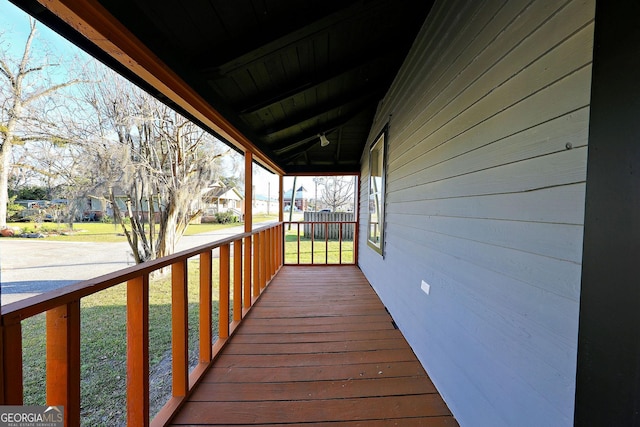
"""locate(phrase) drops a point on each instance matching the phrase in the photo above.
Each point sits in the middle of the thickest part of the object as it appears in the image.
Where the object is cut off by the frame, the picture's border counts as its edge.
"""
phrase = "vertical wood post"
(298, 237)
(278, 246)
(248, 191)
(137, 351)
(237, 280)
(280, 198)
(223, 311)
(63, 360)
(269, 266)
(274, 250)
(256, 265)
(264, 249)
(179, 328)
(356, 226)
(313, 236)
(326, 243)
(206, 270)
(2, 366)
(340, 243)
(12, 363)
(247, 273)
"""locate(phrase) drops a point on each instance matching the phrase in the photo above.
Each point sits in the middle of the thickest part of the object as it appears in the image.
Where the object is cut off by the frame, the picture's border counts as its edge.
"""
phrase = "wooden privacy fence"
(334, 228)
(257, 256)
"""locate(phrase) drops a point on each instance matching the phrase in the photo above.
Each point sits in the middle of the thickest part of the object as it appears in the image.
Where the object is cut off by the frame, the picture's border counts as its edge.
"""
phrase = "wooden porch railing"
(257, 256)
(321, 242)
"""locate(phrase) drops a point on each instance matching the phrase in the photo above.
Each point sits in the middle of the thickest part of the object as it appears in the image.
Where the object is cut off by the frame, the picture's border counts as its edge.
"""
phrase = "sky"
(14, 29)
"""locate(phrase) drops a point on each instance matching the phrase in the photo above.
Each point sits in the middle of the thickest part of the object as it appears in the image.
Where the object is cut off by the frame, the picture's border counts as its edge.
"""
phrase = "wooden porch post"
(248, 191)
(280, 198)
(248, 225)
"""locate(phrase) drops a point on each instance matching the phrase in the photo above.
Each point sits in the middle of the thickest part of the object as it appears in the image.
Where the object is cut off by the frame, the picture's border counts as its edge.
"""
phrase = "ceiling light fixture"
(323, 141)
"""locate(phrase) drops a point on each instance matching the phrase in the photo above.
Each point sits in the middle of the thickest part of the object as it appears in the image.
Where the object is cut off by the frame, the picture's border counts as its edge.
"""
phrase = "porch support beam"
(607, 391)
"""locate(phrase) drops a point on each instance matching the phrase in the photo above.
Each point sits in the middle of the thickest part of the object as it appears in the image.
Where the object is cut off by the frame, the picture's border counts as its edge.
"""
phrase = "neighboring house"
(220, 198)
(301, 199)
(143, 213)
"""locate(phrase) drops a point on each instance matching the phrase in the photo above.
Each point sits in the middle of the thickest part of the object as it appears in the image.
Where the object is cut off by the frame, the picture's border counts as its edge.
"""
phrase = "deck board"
(318, 349)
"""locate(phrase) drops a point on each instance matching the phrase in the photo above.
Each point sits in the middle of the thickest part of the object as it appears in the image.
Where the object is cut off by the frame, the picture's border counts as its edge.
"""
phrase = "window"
(377, 192)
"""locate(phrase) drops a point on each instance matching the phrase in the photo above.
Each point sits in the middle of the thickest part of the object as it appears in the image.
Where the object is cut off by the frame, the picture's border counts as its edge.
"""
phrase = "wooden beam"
(354, 100)
(370, 60)
(248, 192)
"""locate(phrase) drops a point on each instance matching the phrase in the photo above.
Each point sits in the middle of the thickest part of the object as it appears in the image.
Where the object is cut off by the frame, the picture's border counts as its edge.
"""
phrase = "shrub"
(226, 217)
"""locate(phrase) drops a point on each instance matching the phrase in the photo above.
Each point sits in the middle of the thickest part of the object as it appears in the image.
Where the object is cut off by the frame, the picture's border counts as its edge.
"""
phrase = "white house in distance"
(219, 198)
(265, 205)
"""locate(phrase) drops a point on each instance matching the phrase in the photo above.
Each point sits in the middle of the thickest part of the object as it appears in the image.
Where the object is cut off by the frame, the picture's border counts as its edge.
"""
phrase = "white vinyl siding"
(486, 167)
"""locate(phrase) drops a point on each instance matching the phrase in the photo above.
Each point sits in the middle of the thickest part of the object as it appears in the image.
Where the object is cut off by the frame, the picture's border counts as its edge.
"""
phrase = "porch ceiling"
(281, 72)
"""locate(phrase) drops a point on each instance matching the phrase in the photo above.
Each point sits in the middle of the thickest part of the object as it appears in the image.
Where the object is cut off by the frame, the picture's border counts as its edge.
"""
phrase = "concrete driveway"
(32, 266)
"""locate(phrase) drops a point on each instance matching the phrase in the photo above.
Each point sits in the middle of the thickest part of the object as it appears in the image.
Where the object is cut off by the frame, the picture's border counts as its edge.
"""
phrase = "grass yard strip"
(319, 249)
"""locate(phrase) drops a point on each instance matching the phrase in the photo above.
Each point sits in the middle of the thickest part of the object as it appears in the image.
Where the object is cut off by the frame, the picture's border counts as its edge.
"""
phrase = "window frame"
(379, 144)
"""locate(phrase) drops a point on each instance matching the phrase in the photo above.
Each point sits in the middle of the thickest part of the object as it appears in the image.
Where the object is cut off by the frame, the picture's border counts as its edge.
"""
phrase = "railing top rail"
(28, 307)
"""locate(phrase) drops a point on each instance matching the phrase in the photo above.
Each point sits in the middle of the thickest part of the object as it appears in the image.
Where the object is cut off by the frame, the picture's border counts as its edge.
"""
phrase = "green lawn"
(102, 232)
(320, 248)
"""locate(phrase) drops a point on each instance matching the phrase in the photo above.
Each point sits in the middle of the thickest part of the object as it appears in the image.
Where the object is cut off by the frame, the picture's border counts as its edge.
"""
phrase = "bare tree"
(154, 162)
(22, 84)
(338, 192)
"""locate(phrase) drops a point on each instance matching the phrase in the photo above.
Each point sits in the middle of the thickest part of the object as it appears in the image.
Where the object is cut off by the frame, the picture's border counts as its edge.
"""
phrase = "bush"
(226, 217)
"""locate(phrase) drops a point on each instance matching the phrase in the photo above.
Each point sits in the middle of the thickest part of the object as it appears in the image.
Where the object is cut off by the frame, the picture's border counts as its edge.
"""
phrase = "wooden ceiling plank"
(357, 97)
(353, 10)
(306, 82)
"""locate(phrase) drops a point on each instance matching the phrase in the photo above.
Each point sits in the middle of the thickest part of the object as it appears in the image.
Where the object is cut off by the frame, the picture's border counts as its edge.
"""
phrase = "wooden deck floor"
(318, 349)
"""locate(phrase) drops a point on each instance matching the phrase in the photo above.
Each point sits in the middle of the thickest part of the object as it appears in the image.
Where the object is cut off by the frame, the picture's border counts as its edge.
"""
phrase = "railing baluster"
(206, 271)
(256, 264)
(223, 311)
(12, 364)
(237, 281)
(280, 245)
(264, 250)
(313, 238)
(340, 243)
(63, 360)
(326, 243)
(272, 252)
(180, 328)
(247, 273)
(137, 351)
(298, 236)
